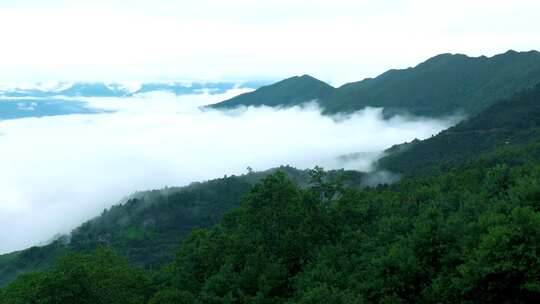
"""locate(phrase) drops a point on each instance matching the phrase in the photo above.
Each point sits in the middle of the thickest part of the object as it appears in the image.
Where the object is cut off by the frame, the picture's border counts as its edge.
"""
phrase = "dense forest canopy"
(147, 228)
(470, 235)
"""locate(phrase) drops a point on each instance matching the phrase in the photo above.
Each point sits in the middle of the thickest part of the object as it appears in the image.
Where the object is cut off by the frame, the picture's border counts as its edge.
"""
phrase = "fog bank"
(59, 171)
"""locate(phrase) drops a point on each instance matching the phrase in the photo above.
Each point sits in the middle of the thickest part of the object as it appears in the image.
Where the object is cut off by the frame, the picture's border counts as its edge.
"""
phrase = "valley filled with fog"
(63, 168)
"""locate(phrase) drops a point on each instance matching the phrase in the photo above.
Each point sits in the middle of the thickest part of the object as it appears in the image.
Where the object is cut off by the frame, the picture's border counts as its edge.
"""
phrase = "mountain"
(442, 85)
(27, 107)
(97, 89)
(119, 89)
(49, 99)
(513, 122)
(289, 92)
(148, 226)
(65, 89)
(194, 88)
(471, 235)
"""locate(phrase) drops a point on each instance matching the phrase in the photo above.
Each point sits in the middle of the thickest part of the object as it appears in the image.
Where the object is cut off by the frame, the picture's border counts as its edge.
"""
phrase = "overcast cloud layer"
(59, 171)
(337, 41)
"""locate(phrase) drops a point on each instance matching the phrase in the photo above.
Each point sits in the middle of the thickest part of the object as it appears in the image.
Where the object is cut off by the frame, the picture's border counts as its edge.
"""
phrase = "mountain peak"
(442, 59)
(439, 86)
(301, 78)
(308, 77)
(288, 92)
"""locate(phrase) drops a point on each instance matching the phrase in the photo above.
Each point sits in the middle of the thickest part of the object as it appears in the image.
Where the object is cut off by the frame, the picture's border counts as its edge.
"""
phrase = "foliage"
(100, 277)
(470, 235)
(148, 226)
(508, 132)
(31, 259)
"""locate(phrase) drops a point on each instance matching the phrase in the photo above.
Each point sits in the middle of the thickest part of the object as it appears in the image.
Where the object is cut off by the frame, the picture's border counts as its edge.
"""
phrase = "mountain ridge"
(119, 89)
(440, 86)
(147, 227)
(511, 122)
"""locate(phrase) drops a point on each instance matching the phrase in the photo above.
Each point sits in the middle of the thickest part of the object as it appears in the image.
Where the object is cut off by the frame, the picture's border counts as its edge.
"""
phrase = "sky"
(337, 41)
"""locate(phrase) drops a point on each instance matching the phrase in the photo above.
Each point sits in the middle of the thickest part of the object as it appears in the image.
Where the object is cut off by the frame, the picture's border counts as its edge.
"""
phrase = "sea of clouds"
(59, 171)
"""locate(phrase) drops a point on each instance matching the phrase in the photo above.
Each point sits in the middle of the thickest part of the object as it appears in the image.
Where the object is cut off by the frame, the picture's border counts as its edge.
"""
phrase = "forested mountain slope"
(511, 122)
(145, 229)
(442, 85)
(149, 226)
(471, 235)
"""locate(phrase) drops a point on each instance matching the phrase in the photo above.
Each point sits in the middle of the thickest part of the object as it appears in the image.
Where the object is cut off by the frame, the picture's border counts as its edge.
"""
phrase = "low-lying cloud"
(59, 171)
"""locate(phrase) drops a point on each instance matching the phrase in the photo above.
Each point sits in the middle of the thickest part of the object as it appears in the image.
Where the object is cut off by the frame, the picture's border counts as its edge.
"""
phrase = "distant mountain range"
(442, 85)
(25, 107)
(62, 98)
(118, 89)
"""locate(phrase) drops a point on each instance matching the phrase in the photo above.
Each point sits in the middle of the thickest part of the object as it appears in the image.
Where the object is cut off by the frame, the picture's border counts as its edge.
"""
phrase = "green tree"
(506, 265)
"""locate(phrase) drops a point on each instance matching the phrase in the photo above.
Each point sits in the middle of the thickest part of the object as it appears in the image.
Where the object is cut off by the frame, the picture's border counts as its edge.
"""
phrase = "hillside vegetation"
(468, 236)
(149, 225)
(442, 85)
(514, 122)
